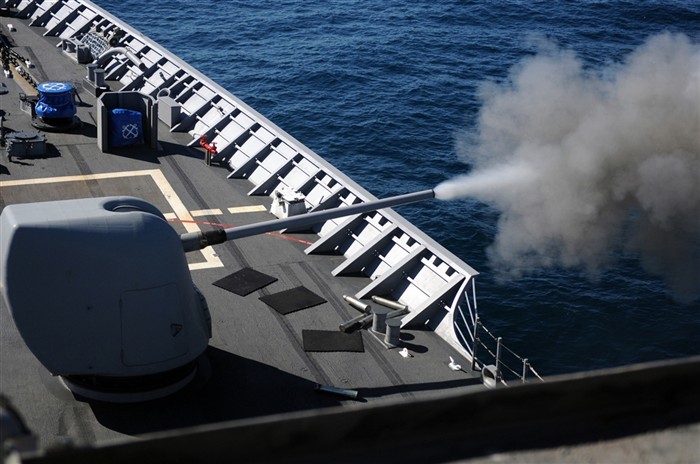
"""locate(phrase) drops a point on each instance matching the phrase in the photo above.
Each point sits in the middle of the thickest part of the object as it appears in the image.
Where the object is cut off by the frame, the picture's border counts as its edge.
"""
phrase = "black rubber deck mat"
(245, 281)
(332, 340)
(292, 300)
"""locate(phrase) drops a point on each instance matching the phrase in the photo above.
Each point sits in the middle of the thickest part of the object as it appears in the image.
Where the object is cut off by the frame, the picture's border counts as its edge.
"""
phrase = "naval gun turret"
(101, 293)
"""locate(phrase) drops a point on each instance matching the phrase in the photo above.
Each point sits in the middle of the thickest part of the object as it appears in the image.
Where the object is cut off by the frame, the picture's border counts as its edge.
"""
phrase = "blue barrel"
(55, 101)
(125, 127)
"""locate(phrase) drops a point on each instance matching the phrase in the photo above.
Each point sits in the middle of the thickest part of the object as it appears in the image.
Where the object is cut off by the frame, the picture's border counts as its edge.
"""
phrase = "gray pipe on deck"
(193, 241)
(113, 51)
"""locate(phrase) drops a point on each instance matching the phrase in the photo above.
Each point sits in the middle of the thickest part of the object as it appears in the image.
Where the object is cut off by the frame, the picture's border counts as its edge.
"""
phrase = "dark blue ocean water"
(382, 89)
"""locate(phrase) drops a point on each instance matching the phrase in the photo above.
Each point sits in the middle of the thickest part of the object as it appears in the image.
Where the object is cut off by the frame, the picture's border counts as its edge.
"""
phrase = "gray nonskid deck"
(255, 364)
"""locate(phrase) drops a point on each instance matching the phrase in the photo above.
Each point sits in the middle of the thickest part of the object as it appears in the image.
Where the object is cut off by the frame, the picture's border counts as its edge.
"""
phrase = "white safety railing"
(485, 348)
(503, 358)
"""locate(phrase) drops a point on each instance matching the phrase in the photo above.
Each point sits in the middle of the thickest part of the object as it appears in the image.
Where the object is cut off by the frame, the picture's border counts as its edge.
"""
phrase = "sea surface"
(382, 90)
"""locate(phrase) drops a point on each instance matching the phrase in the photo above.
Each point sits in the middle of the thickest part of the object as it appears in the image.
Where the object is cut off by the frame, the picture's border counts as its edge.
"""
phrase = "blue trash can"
(125, 127)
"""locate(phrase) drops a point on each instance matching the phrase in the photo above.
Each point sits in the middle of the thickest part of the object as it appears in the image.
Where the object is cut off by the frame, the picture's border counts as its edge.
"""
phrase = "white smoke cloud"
(581, 163)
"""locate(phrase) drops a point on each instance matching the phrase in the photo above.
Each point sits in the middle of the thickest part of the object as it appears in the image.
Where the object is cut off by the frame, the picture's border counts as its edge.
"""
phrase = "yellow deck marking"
(50, 180)
(247, 209)
(180, 211)
(205, 212)
(218, 212)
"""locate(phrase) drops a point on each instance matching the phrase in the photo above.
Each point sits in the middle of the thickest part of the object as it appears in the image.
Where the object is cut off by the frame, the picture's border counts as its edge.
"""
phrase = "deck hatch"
(153, 329)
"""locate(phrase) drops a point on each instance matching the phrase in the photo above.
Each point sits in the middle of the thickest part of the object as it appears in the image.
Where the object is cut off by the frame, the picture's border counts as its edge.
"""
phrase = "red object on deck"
(209, 147)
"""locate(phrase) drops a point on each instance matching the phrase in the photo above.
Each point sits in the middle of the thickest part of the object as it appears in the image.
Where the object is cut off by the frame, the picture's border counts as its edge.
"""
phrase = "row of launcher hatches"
(378, 245)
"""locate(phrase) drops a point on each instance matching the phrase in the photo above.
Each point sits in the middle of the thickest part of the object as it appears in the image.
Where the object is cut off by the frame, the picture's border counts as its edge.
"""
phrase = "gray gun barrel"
(197, 240)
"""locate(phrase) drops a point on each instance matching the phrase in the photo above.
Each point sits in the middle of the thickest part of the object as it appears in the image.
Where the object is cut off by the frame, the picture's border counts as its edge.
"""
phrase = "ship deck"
(255, 364)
